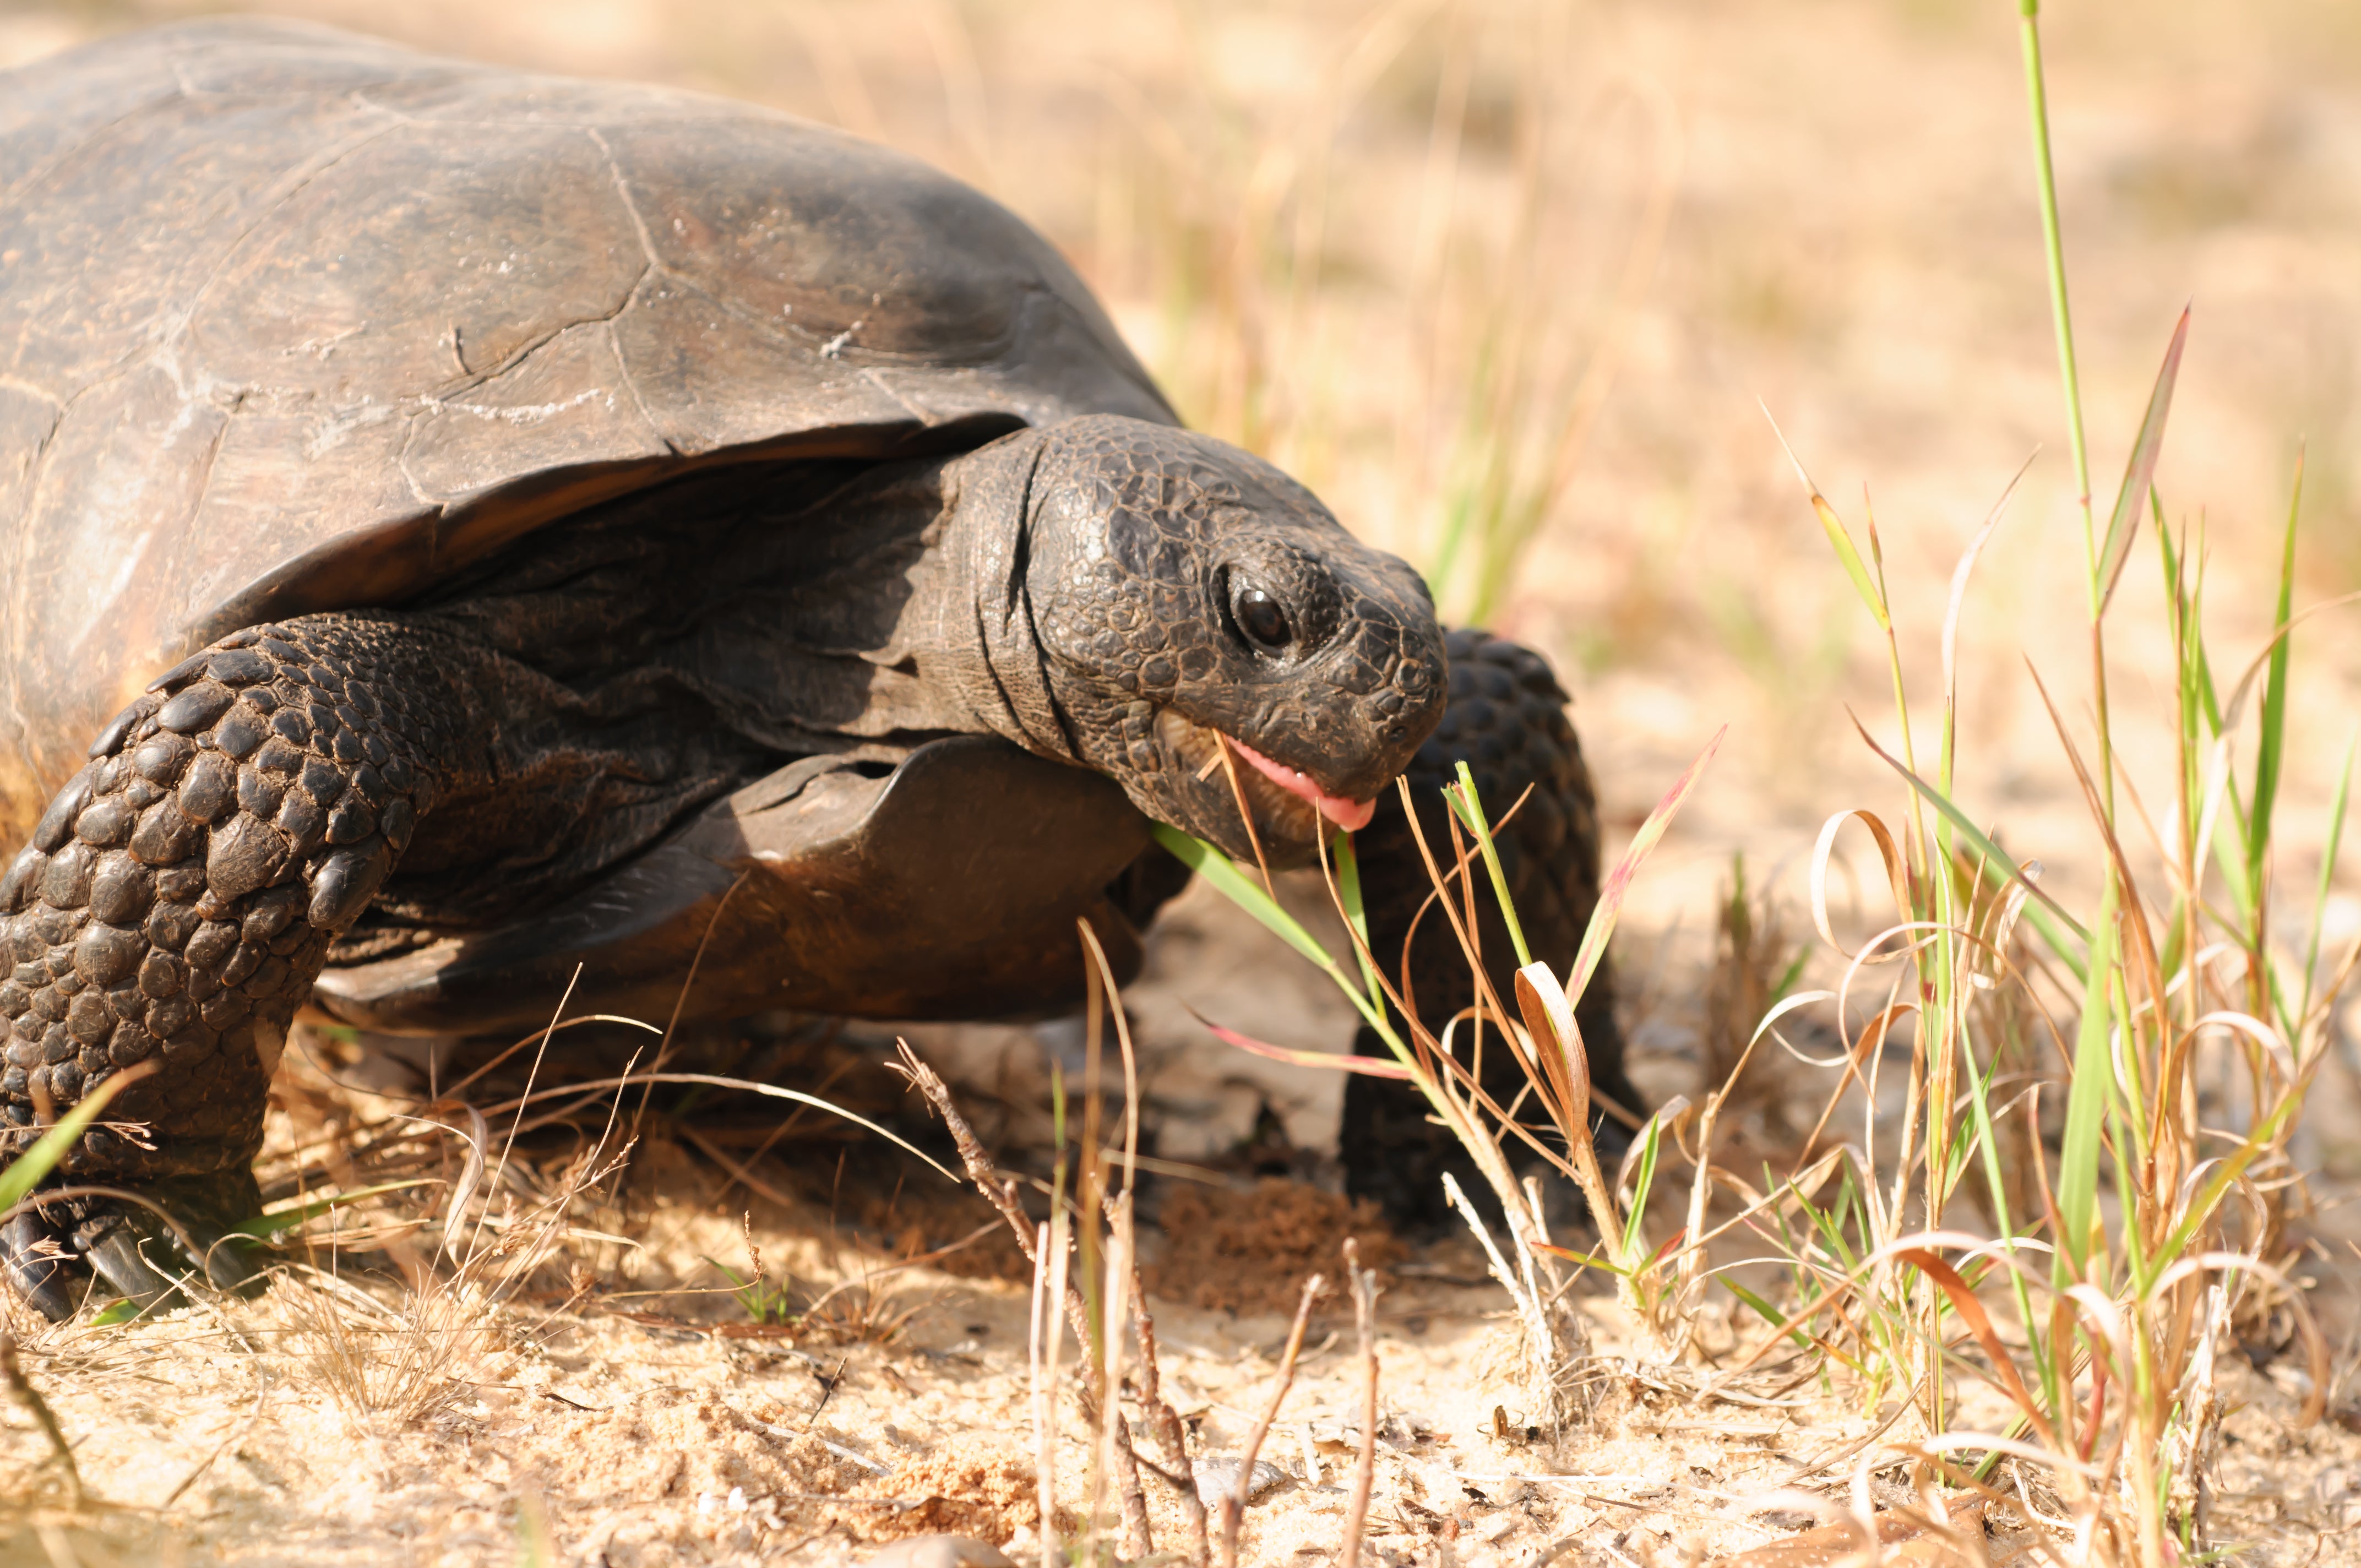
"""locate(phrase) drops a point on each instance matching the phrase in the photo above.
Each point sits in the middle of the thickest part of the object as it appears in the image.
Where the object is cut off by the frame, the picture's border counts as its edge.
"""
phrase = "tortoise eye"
(1262, 621)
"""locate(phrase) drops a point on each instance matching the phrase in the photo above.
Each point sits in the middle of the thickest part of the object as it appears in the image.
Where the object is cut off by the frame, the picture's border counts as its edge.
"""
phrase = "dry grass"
(1755, 964)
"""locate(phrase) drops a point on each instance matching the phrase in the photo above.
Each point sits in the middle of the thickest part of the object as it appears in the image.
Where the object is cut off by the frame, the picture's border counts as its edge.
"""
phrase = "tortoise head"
(1182, 593)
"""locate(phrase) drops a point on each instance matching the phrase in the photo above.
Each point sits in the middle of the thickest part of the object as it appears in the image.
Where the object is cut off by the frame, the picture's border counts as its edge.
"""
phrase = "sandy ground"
(633, 1436)
(622, 1407)
(1824, 205)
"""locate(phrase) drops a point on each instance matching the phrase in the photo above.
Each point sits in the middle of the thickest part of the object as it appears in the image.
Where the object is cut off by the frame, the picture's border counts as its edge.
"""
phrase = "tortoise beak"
(1226, 790)
(1352, 816)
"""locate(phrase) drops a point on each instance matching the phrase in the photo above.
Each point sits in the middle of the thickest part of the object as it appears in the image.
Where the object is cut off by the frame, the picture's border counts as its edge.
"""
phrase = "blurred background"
(1511, 283)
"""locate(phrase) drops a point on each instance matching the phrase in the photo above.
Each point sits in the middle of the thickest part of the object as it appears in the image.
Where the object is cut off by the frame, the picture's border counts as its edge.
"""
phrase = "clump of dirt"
(1249, 1251)
(969, 1487)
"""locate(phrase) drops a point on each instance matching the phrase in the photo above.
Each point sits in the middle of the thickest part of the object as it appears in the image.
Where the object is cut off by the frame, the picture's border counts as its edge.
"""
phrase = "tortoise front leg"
(178, 899)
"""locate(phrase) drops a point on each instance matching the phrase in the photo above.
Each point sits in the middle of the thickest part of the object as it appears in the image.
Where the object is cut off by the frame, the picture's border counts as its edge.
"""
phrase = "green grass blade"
(2268, 747)
(2037, 93)
(2328, 857)
(1839, 537)
(2087, 1096)
(1239, 889)
(1634, 1240)
(2139, 471)
(1994, 855)
(1611, 898)
(2123, 1146)
(31, 1167)
(1470, 811)
(1337, 1061)
(1766, 1311)
(1356, 914)
(2225, 1175)
(268, 1227)
(1841, 541)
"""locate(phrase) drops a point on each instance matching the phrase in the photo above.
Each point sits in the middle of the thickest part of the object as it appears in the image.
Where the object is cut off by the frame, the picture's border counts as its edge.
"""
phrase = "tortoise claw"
(115, 1251)
(124, 1248)
(131, 1252)
(37, 1266)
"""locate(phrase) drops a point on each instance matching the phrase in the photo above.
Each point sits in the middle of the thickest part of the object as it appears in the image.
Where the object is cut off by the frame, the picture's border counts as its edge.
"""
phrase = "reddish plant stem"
(1170, 1435)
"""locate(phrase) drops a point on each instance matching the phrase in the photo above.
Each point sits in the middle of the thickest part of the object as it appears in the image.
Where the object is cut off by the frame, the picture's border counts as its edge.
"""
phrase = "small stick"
(13, 1373)
(1170, 1435)
(1365, 1472)
(1233, 1504)
(1137, 1541)
(1246, 813)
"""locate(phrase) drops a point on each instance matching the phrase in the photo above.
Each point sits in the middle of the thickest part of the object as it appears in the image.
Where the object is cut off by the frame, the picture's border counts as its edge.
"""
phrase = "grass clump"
(2125, 1258)
(1547, 1041)
(764, 1303)
(2119, 1252)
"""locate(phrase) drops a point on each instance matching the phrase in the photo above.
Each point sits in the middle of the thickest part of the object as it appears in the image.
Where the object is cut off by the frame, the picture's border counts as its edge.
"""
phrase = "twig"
(1002, 1192)
(1170, 1435)
(30, 1398)
(1364, 1470)
(1234, 1502)
(1138, 1541)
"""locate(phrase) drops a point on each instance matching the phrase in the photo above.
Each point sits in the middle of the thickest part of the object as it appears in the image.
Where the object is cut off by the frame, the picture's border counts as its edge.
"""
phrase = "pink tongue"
(1350, 815)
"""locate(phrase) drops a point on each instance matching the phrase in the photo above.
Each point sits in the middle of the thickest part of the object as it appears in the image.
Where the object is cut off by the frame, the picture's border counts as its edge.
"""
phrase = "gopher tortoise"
(519, 524)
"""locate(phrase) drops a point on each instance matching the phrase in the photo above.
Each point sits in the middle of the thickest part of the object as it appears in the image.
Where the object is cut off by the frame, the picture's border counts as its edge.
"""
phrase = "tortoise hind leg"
(1507, 719)
(175, 904)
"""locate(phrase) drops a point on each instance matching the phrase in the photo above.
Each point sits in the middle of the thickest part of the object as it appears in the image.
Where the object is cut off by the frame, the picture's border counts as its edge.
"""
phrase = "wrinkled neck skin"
(969, 624)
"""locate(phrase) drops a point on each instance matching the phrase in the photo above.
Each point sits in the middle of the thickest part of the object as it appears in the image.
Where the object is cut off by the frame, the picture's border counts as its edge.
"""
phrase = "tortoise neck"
(983, 646)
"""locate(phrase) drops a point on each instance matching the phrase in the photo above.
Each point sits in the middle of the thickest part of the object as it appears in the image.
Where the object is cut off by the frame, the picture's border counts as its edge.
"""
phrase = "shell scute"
(376, 314)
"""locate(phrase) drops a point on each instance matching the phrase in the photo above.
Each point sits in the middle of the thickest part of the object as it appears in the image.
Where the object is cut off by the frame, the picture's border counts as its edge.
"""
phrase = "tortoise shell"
(295, 320)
